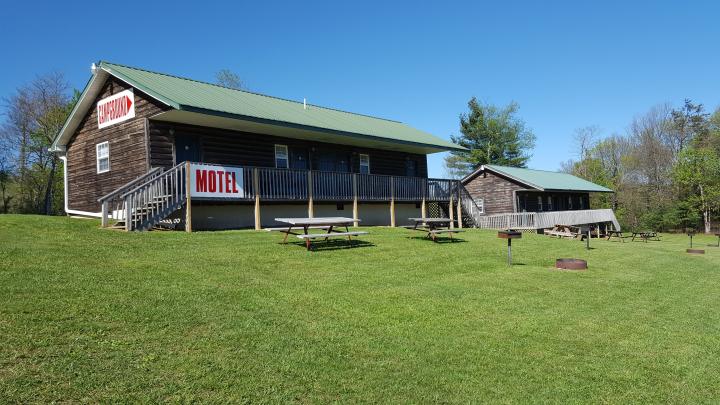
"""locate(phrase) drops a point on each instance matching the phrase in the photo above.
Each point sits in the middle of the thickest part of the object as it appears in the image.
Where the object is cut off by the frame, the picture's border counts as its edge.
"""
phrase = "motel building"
(143, 150)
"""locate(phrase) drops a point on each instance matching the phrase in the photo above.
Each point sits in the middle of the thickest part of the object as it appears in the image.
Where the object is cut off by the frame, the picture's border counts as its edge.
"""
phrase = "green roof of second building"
(547, 180)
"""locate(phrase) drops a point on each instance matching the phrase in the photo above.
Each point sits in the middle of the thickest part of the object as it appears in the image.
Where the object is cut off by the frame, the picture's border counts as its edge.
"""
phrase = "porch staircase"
(145, 202)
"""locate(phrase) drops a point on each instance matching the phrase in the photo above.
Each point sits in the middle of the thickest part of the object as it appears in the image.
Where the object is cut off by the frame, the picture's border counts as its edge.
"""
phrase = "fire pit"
(696, 251)
(571, 264)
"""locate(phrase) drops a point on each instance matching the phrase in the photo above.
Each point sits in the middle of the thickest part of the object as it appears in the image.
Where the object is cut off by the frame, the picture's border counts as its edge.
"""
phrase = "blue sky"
(567, 64)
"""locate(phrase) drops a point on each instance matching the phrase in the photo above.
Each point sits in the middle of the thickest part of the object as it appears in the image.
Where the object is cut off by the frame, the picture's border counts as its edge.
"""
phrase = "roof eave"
(200, 110)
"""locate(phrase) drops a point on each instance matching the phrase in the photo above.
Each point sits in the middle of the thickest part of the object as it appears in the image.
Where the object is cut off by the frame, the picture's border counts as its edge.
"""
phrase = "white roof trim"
(92, 89)
(84, 104)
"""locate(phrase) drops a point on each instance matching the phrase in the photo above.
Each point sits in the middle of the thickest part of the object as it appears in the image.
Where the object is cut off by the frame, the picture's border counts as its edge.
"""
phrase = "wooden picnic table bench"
(434, 227)
(644, 235)
(616, 234)
(325, 223)
(564, 231)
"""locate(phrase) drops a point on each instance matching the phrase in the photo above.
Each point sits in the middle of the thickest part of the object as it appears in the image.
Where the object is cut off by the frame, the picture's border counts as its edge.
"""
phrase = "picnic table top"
(317, 221)
(433, 220)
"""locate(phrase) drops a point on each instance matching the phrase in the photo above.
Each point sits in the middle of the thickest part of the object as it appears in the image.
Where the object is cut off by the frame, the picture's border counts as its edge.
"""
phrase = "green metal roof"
(195, 96)
(546, 180)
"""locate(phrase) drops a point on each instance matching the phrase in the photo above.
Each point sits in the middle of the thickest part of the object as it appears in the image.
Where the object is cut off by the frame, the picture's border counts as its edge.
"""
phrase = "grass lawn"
(91, 315)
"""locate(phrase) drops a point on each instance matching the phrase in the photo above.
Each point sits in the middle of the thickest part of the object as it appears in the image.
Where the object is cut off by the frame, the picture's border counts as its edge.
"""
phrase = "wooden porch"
(548, 219)
(151, 198)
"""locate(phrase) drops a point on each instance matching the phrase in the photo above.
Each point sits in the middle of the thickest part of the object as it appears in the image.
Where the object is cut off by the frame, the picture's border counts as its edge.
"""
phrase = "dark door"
(187, 148)
(411, 168)
(298, 159)
(331, 161)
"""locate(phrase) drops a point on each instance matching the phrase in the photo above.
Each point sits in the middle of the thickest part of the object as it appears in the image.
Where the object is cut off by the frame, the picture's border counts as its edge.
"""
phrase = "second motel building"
(128, 143)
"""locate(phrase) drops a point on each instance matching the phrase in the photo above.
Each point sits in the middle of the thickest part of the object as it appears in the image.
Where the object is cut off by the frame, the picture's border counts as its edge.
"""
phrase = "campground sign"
(116, 108)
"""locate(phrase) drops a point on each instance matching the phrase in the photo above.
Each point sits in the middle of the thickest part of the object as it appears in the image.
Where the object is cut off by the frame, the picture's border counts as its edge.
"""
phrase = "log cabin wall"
(496, 192)
(227, 147)
(128, 152)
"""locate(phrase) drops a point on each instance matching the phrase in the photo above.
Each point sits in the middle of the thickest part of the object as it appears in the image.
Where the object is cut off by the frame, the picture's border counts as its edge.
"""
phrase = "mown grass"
(90, 315)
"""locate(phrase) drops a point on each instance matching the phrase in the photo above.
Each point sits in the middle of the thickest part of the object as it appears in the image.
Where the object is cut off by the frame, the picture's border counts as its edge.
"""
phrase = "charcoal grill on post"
(509, 234)
(691, 233)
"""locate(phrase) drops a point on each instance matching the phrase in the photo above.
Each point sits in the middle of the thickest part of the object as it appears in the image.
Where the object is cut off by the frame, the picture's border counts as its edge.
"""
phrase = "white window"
(549, 204)
(569, 202)
(539, 198)
(281, 157)
(364, 164)
(480, 204)
(582, 203)
(102, 152)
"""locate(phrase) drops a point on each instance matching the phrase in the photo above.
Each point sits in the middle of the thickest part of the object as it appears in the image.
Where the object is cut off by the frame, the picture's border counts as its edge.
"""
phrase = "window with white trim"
(582, 203)
(550, 203)
(539, 202)
(364, 164)
(570, 203)
(480, 204)
(281, 157)
(102, 153)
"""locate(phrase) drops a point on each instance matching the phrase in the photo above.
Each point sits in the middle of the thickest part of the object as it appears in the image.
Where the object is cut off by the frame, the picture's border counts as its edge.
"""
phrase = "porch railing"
(113, 204)
(543, 220)
(300, 185)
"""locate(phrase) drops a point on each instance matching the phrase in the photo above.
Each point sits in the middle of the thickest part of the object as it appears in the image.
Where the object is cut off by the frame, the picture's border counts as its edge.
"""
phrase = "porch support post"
(355, 201)
(452, 216)
(104, 219)
(256, 187)
(392, 202)
(128, 214)
(188, 199)
(311, 207)
(459, 212)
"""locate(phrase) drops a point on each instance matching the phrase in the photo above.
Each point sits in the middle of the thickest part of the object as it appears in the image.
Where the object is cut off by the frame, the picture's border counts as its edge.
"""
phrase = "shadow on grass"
(438, 240)
(334, 244)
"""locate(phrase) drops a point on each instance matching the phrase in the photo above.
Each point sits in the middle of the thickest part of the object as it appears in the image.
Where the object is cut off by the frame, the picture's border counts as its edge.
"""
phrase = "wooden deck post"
(188, 199)
(256, 188)
(128, 214)
(392, 202)
(452, 216)
(104, 219)
(355, 201)
(459, 213)
(311, 208)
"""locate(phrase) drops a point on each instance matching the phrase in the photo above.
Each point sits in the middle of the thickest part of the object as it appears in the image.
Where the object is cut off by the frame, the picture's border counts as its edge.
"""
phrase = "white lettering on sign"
(209, 181)
(116, 108)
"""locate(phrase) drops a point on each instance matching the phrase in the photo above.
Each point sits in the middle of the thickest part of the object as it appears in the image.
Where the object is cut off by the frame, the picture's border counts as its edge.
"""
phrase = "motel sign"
(211, 181)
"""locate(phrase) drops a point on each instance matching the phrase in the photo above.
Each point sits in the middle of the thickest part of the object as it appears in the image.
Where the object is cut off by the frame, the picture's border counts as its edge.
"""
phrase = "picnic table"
(328, 224)
(565, 231)
(617, 234)
(644, 235)
(434, 227)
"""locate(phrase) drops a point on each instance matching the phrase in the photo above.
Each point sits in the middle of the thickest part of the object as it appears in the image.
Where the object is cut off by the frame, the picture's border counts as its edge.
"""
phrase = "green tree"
(699, 171)
(33, 117)
(493, 135)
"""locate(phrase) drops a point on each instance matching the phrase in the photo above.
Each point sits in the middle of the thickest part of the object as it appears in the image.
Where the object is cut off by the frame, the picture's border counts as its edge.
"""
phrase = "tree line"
(31, 177)
(665, 170)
